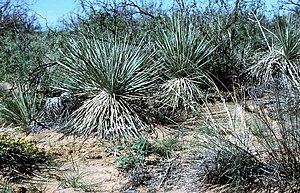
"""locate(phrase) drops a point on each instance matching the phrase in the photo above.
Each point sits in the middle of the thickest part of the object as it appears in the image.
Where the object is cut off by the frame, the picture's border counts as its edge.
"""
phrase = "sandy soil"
(90, 165)
(88, 161)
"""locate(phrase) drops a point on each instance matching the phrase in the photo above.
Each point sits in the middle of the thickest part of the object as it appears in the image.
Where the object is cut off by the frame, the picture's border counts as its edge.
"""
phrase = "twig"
(166, 173)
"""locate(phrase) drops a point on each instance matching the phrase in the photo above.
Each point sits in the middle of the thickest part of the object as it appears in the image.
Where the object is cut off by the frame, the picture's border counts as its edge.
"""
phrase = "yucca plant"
(289, 40)
(22, 108)
(184, 52)
(279, 65)
(119, 74)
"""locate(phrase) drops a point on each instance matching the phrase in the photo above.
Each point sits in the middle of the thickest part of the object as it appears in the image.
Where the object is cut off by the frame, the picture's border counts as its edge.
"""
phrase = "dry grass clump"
(249, 151)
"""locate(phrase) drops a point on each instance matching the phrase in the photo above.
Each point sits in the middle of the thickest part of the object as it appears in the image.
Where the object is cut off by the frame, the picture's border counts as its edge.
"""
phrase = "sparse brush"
(74, 179)
(250, 151)
(183, 53)
(164, 147)
(120, 75)
(130, 154)
(19, 157)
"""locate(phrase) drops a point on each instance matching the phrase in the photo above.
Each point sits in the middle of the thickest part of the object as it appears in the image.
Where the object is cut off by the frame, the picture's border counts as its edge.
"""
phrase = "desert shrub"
(131, 153)
(19, 157)
(231, 28)
(21, 48)
(27, 53)
(164, 147)
(260, 150)
(119, 75)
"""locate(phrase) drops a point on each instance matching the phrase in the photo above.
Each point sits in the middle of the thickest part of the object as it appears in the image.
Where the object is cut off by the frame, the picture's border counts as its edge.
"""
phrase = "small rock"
(20, 189)
(152, 158)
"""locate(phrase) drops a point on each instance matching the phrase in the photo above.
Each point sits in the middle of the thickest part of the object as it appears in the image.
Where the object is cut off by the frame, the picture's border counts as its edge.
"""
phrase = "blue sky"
(53, 10)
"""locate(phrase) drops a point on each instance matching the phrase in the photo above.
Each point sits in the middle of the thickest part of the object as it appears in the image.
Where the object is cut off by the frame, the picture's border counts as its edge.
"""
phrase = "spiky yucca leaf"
(184, 52)
(182, 48)
(22, 108)
(289, 41)
(119, 73)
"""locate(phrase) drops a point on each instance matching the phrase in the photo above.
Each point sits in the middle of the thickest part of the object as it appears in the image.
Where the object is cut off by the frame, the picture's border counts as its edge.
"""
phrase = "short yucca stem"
(107, 116)
(180, 94)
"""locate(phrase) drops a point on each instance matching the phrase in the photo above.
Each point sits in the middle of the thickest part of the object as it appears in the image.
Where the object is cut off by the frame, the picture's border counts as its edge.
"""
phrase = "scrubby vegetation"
(19, 157)
(124, 71)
